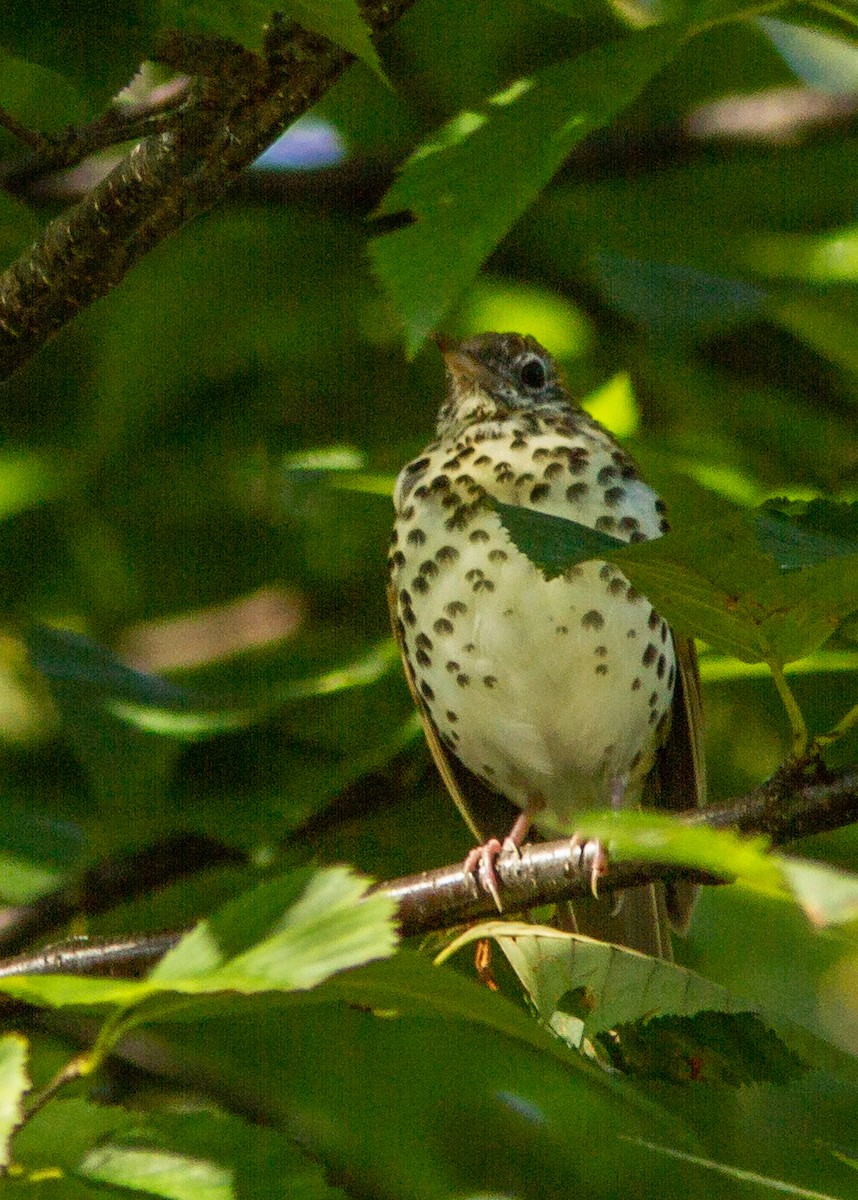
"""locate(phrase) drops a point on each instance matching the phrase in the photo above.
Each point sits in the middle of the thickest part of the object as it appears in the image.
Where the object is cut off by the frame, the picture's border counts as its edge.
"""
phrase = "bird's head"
(495, 376)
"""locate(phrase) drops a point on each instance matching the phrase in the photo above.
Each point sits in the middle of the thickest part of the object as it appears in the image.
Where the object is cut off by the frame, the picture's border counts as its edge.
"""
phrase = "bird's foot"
(591, 854)
(480, 861)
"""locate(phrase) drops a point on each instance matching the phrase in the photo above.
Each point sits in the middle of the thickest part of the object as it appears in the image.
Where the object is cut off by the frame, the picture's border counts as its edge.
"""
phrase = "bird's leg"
(619, 785)
(595, 851)
(481, 860)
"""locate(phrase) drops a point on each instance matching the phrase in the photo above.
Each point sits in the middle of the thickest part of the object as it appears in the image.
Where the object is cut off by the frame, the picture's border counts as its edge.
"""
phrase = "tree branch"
(797, 801)
(119, 123)
(239, 104)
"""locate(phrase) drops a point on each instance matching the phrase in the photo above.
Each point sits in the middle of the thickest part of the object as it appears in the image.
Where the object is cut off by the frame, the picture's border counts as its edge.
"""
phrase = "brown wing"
(443, 761)
(681, 767)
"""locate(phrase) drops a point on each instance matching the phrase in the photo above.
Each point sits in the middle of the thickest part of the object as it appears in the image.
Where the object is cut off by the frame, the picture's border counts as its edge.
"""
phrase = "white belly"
(551, 691)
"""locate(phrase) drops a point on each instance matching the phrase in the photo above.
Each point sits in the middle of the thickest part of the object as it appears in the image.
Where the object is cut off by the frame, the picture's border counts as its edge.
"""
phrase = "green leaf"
(410, 985)
(468, 186)
(817, 258)
(64, 657)
(205, 1156)
(487, 1115)
(123, 763)
(801, 533)
(159, 1173)
(727, 1048)
(27, 478)
(717, 668)
(98, 46)
(14, 1082)
(733, 582)
(341, 21)
(851, 1160)
(649, 836)
(61, 1133)
(773, 1184)
(40, 99)
(18, 228)
(83, 673)
(646, 291)
(554, 543)
(613, 985)
(252, 944)
(197, 715)
(827, 896)
(244, 21)
(286, 935)
(698, 595)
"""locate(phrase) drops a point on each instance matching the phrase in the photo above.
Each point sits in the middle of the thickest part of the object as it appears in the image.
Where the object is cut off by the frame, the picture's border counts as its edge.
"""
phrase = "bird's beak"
(465, 373)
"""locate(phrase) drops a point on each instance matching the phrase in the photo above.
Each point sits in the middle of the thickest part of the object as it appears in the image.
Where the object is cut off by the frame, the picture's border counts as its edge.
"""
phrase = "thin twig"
(22, 133)
(793, 711)
(120, 123)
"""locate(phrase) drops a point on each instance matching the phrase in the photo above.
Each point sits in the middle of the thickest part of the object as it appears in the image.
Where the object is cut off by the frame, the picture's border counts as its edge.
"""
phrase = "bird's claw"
(591, 852)
(480, 862)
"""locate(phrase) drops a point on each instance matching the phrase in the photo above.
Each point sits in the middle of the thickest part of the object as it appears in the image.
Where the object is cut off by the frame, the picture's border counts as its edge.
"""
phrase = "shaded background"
(196, 473)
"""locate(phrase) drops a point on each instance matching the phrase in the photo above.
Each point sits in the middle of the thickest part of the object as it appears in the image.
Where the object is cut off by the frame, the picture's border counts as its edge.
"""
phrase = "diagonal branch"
(240, 103)
(797, 801)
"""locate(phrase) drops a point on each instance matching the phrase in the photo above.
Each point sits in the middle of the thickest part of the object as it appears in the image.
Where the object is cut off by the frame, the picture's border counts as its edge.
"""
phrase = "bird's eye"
(532, 373)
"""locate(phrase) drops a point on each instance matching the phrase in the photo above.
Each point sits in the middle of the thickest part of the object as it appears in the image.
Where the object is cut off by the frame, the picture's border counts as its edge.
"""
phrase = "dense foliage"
(202, 714)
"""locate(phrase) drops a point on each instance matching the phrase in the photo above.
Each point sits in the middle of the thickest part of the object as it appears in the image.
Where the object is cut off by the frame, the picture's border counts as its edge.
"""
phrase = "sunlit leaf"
(827, 895)
(614, 406)
(826, 63)
(286, 935)
(158, 1173)
(773, 1184)
(14, 1082)
(577, 981)
(830, 257)
(716, 668)
(468, 186)
(205, 1156)
(657, 837)
(549, 317)
(58, 1136)
(253, 944)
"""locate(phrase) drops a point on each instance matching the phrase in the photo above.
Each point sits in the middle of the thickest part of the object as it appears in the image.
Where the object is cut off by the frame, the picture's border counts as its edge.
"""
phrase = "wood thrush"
(560, 695)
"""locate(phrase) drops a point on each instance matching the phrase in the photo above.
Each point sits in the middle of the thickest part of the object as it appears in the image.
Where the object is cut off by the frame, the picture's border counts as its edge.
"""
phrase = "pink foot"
(480, 861)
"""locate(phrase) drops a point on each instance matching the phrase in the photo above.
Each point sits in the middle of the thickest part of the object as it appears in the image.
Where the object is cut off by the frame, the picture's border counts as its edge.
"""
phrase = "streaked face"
(493, 376)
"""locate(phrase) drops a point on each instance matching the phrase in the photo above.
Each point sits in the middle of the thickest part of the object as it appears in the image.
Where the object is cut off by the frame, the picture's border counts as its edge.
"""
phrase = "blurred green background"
(195, 473)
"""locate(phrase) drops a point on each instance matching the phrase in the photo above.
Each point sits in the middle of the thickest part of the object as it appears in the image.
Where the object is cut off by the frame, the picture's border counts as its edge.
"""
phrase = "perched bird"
(559, 695)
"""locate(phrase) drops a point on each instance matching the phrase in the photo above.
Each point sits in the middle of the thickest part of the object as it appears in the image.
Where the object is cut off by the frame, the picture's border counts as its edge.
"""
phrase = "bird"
(559, 695)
